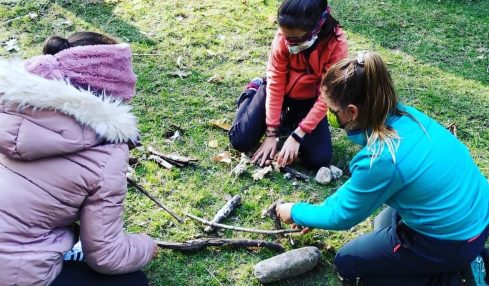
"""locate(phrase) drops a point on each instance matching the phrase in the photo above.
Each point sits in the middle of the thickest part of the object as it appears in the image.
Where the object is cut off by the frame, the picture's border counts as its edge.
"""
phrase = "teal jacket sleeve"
(368, 188)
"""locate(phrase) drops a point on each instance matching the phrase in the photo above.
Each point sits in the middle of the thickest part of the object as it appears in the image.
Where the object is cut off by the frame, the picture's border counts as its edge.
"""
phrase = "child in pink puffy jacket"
(64, 129)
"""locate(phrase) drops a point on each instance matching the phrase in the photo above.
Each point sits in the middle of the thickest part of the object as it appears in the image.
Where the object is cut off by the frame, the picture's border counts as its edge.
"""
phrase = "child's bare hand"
(265, 152)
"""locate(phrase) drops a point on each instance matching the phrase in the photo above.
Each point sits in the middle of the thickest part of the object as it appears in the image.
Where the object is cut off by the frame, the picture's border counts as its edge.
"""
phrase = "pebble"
(288, 264)
(336, 172)
(323, 176)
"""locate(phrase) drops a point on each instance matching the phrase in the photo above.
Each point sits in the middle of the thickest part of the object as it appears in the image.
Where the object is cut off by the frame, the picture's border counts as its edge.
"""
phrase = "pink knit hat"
(101, 68)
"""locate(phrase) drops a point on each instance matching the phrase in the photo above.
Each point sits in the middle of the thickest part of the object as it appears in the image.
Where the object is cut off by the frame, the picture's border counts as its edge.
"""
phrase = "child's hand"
(284, 212)
(289, 152)
(266, 151)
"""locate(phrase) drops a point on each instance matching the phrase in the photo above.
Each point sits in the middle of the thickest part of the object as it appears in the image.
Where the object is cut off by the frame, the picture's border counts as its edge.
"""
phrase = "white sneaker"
(74, 254)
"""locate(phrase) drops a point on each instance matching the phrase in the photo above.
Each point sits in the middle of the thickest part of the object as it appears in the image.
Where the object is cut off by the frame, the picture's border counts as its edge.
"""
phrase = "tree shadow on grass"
(102, 16)
(449, 34)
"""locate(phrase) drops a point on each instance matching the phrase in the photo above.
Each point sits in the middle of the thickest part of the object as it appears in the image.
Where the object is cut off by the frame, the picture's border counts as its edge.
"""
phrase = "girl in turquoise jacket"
(438, 199)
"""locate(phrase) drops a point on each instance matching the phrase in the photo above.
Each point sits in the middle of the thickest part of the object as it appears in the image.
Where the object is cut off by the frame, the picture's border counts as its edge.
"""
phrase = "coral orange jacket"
(298, 77)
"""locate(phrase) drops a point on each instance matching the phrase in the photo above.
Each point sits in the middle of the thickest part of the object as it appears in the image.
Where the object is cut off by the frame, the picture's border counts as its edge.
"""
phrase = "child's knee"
(344, 264)
(240, 141)
(319, 160)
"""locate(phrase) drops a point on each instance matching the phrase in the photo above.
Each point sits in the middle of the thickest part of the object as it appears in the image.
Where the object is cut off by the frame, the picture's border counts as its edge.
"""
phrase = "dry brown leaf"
(220, 123)
(260, 173)
(224, 157)
(215, 79)
(180, 73)
(213, 143)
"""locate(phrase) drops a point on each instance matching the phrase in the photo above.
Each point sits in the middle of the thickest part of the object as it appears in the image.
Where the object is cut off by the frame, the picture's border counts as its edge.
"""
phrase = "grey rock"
(323, 176)
(336, 172)
(288, 264)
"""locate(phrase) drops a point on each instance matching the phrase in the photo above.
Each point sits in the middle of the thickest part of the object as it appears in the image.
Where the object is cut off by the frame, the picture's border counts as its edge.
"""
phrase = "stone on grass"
(288, 264)
(336, 172)
(323, 176)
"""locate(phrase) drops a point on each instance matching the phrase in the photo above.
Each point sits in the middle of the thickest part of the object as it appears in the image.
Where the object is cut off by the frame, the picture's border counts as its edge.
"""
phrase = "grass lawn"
(437, 51)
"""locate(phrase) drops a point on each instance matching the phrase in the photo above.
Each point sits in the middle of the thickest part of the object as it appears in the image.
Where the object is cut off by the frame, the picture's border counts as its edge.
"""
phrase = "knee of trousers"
(318, 160)
(240, 142)
(346, 264)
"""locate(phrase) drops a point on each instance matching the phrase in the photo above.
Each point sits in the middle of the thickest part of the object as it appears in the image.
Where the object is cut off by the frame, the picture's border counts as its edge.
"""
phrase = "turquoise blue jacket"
(433, 183)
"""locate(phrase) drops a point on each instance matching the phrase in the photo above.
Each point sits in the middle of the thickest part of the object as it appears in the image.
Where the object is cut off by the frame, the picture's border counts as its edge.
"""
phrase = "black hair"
(304, 15)
(56, 44)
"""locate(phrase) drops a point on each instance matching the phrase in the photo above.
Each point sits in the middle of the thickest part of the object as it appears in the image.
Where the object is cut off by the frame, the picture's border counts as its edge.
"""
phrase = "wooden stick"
(142, 190)
(198, 244)
(224, 212)
(272, 213)
(161, 162)
(295, 173)
(237, 228)
(172, 158)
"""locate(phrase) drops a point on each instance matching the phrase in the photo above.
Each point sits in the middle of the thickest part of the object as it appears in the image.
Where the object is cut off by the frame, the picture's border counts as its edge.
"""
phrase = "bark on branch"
(237, 228)
(224, 212)
(272, 213)
(295, 173)
(198, 244)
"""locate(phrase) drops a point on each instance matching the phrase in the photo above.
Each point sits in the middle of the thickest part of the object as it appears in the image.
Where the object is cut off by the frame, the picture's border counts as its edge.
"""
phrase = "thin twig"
(199, 244)
(13, 19)
(168, 210)
(272, 213)
(295, 173)
(237, 228)
(155, 55)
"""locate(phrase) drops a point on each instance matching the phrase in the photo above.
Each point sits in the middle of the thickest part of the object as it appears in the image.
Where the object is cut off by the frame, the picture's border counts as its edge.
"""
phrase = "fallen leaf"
(180, 73)
(242, 166)
(32, 15)
(176, 136)
(224, 157)
(213, 143)
(220, 123)
(180, 62)
(260, 173)
(215, 79)
(11, 45)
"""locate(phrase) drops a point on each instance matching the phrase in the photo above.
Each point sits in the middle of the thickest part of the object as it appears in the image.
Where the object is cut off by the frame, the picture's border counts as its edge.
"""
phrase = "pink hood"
(81, 120)
(105, 69)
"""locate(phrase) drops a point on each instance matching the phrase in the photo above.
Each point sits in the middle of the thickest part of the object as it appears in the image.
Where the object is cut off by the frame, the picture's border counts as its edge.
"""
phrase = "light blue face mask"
(357, 137)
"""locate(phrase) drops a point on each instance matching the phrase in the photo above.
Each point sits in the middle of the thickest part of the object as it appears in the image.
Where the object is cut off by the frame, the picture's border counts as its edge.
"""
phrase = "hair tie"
(361, 58)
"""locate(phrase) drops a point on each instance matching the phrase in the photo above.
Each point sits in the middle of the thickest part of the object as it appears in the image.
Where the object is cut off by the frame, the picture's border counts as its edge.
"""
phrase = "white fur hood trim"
(112, 120)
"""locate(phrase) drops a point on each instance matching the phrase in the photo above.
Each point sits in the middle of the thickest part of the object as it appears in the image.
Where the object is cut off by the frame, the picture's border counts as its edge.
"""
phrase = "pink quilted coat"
(58, 167)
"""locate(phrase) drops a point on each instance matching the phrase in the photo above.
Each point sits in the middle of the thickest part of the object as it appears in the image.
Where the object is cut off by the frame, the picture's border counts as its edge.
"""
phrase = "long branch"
(237, 228)
(142, 190)
(198, 244)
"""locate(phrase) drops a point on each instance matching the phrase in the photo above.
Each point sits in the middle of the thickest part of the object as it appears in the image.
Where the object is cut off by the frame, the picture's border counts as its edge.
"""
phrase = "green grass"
(437, 51)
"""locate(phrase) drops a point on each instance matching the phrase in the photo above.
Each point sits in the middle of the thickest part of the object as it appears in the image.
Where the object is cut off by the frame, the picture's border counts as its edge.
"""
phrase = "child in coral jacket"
(308, 41)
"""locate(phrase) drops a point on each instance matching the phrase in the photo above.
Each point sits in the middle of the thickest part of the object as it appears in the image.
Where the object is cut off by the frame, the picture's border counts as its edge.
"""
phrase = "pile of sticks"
(168, 161)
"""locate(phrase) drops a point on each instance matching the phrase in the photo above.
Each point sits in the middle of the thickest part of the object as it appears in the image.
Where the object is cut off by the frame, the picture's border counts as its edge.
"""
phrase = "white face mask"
(295, 49)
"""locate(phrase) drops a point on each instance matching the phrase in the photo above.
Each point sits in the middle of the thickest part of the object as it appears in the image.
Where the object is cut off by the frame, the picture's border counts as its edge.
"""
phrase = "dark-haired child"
(308, 41)
(63, 158)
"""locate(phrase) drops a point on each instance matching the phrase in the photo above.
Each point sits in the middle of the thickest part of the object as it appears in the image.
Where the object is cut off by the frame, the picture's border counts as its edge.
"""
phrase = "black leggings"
(79, 274)
(249, 126)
